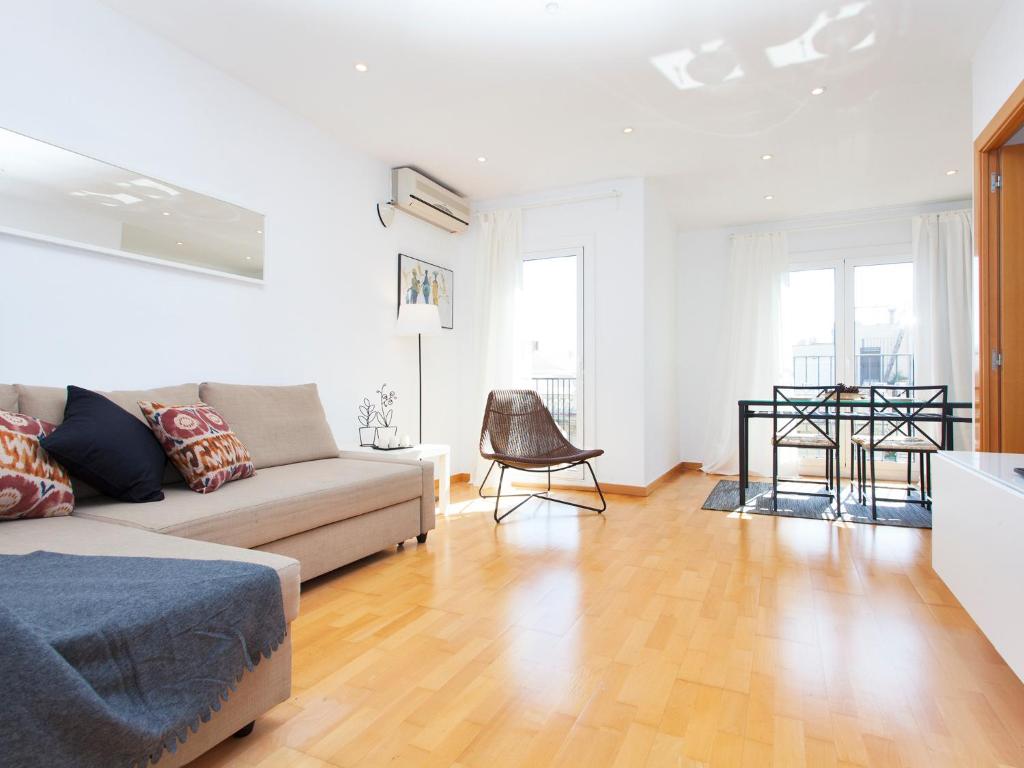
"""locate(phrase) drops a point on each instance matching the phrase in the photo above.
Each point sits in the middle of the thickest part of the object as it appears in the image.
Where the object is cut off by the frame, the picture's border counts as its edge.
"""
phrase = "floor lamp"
(419, 320)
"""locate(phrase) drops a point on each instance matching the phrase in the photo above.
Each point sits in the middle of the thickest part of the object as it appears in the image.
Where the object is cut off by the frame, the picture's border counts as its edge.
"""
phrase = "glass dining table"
(850, 410)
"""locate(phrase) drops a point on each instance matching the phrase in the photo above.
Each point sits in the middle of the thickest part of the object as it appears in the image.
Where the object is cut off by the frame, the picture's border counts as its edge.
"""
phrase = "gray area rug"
(725, 497)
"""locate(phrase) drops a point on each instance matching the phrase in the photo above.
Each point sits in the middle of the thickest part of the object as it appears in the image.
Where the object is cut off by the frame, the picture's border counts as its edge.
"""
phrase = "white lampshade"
(416, 319)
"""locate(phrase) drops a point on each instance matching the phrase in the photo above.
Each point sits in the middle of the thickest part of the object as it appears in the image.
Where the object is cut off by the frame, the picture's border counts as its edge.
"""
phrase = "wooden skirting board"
(617, 488)
(458, 477)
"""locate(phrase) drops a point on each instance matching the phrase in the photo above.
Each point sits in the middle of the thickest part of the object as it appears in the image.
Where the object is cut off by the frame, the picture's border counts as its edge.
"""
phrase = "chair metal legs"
(833, 479)
(924, 479)
(545, 494)
(775, 478)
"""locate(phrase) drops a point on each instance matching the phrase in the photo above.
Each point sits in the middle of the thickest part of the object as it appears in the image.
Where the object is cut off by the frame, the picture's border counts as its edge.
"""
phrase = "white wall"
(661, 412)
(612, 233)
(629, 244)
(998, 65)
(89, 80)
(703, 259)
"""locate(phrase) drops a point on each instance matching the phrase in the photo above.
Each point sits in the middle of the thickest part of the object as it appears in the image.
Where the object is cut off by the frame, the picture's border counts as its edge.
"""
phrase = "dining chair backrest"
(813, 408)
(902, 411)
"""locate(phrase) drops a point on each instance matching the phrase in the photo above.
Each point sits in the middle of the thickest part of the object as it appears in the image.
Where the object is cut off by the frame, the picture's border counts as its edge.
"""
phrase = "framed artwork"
(420, 282)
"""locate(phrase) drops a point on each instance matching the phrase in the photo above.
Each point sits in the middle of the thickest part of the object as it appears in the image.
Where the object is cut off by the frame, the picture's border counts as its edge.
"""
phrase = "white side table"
(439, 454)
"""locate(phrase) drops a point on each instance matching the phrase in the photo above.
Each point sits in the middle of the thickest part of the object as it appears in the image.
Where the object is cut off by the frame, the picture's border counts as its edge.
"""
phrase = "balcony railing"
(559, 395)
(812, 370)
(869, 368)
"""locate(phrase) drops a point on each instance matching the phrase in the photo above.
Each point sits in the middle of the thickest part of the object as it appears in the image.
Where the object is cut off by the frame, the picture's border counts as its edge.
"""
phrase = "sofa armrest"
(427, 513)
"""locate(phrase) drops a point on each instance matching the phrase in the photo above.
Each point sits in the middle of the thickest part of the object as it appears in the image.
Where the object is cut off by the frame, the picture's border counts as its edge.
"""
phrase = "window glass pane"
(808, 343)
(883, 309)
(883, 304)
(809, 326)
(549, 321)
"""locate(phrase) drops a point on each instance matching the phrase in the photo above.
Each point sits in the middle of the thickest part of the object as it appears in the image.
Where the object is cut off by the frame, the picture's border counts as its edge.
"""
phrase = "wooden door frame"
(1006, 122)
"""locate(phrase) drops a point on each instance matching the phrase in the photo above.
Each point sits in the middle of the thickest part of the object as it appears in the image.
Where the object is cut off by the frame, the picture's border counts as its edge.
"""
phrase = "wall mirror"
(56, 195)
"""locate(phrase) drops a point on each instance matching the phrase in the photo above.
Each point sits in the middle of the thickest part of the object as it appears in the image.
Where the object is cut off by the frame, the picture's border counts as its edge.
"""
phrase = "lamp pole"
(419, 320)
(419, 344)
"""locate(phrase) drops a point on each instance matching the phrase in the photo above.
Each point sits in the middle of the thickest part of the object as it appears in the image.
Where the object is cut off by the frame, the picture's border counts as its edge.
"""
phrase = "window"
(552, 323)
(849, 320)
(882, 317)
(809, 326)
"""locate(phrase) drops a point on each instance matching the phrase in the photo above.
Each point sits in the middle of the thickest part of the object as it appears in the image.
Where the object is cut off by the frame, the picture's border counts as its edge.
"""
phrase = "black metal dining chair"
(806, 417)
(897, 427)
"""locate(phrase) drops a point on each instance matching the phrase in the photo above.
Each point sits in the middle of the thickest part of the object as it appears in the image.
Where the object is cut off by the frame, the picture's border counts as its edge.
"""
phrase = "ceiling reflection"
(847, 29)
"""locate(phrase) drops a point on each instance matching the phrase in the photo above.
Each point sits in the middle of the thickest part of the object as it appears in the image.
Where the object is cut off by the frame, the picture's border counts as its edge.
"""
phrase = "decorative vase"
(382, 436)
(366, 436)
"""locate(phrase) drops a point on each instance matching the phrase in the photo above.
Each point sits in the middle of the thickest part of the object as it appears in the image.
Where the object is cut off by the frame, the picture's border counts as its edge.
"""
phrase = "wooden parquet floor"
(656, 635)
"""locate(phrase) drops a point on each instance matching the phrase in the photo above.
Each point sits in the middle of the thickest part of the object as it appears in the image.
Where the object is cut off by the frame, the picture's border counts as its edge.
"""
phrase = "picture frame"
(420, 282)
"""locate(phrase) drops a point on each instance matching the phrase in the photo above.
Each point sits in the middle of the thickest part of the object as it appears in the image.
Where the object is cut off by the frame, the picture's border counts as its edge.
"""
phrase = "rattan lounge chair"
(519, 433)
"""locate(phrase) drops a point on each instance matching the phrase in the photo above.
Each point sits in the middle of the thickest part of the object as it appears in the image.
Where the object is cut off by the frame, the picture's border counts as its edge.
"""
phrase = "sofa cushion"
(32, 483)
(47, 403)
(8, 398)
(275, 503)
(77, 536)
(107, 447)
(279, 425)
(199, 443)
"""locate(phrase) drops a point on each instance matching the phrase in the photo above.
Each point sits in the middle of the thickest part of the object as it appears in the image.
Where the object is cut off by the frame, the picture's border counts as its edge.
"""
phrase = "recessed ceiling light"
(817, 91)
(248, 258)
(551, 7)
(952, 172)
(259, 231)
(360, 67)
(769, 197)
(481, 159)
(180, 243)
(167, 213)
(627, 129)
(767, 157)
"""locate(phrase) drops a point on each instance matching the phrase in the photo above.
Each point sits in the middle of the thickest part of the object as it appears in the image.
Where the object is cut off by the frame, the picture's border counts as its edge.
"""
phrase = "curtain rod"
(907, 217)
(570, 200)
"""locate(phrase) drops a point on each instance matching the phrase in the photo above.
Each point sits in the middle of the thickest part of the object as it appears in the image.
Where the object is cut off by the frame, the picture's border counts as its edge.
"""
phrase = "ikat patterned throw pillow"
(199, 443)
(32, 484)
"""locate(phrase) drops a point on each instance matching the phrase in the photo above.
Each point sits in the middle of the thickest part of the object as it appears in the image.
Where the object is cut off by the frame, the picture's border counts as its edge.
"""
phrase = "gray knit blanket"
(109, 661)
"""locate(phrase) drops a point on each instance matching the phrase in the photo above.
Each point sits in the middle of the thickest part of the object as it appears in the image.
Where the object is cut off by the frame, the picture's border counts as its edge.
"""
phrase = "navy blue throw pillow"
(108, 448)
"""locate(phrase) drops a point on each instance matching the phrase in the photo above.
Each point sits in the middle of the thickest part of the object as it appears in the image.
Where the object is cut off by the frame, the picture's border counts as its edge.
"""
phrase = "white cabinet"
(978, 542)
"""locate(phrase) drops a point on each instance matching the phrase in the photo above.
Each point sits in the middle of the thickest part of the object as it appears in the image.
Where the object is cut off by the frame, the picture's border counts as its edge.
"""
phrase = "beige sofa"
(304, 513)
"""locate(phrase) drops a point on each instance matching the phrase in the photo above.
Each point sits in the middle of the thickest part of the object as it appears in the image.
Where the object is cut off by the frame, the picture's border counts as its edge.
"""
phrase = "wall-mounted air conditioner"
(415, 194)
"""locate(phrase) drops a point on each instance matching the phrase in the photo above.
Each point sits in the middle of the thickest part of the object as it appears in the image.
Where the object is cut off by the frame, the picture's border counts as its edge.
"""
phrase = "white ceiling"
(545, 96)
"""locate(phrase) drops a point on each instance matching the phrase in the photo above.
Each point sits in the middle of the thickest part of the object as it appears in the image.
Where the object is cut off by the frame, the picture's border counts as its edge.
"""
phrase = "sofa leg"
(241, 733)
(422, 538)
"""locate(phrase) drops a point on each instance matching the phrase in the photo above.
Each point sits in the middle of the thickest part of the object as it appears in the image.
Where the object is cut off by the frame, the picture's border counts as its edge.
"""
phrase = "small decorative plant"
(385, 432)
(387, 400)
(367, 413)
(369, 418)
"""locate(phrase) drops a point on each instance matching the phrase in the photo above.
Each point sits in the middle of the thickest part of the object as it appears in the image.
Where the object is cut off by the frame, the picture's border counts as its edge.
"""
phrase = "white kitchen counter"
(978, 542)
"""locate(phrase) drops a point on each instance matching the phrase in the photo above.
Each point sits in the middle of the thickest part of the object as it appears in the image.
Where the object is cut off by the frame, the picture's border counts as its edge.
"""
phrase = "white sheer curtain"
(750, 356)
(942, 303)
(499, 286)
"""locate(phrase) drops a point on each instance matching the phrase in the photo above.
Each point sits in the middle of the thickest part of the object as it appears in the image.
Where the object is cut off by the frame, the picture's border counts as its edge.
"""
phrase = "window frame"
(843, 261)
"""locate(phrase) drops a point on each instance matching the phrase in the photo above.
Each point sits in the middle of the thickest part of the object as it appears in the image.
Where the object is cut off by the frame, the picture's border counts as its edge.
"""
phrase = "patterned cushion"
(31, 483)
(199, 443)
